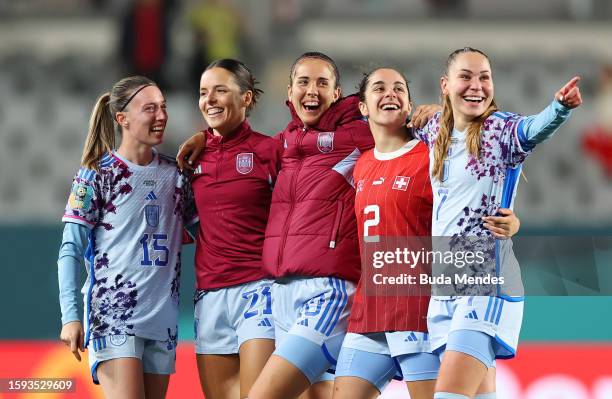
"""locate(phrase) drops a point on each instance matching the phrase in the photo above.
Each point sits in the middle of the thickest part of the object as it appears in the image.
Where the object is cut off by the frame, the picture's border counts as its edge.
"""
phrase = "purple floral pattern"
(112, 306)
(496, 152)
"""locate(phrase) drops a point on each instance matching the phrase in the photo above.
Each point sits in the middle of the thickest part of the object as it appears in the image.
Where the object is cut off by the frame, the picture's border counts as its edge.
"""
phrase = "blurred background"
(58, 56)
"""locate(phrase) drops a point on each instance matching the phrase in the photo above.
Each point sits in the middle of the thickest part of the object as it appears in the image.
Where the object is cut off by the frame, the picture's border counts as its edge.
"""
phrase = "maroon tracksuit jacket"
(312, 229)
(232, 185)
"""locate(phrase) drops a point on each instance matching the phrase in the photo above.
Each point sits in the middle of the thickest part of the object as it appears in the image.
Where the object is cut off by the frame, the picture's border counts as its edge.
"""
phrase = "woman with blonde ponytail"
(475, 160)
(100, 135)
(124, 223)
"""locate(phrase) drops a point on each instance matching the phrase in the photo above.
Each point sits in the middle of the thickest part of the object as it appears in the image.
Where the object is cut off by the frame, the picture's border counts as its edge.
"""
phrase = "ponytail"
(443, 138)
(101, 134)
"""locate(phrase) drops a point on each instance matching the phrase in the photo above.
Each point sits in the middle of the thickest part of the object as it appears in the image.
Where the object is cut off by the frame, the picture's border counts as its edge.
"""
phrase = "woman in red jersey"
(232, 183)
(387, 332)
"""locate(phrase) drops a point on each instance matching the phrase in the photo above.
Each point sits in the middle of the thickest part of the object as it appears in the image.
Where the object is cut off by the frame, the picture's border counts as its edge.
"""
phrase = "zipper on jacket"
(219, 161)
(292, 185)
(336, 227)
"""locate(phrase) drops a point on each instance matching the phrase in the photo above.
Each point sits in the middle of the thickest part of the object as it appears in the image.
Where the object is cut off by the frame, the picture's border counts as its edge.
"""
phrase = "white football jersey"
(136, 216)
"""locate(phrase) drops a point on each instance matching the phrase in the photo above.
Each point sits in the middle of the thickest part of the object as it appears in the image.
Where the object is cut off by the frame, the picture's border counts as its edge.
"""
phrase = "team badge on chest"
(360, 184)
(244, 162)
(152, 215)
(401, 183)
(325, 142)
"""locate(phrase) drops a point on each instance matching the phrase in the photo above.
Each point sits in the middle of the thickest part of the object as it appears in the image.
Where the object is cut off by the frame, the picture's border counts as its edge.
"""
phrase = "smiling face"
(144, 120)
(313, 89)
(387, 102)
(469, 86)
(221, 103)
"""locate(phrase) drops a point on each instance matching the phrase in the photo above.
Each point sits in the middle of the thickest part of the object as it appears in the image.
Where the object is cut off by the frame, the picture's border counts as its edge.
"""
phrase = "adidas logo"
(303, 322)
(198, 170)
(151, 196)
(472, 315)
(265, 323)
(411, 338)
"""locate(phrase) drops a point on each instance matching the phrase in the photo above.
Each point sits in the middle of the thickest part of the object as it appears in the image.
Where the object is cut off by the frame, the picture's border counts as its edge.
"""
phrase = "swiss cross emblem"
(401, 183)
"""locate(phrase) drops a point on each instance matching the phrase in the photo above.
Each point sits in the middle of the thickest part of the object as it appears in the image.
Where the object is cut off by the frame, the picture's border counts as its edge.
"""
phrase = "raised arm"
(534, 129)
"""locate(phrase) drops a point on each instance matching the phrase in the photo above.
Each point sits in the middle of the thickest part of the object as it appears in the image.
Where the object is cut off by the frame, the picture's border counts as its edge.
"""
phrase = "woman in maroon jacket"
(232, 184)
(311, 244)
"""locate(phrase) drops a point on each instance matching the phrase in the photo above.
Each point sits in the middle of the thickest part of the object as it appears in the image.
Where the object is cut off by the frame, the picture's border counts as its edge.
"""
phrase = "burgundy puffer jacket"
(312, 229)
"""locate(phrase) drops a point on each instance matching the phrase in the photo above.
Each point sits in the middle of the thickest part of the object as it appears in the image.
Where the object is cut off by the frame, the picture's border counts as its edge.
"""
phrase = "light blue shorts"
(499, 318)
(158, 357)
(474, 343)
(377, 359)
(310, 318)
(225, 318)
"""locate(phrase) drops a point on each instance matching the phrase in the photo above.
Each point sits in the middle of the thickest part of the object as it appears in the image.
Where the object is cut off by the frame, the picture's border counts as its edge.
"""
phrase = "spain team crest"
(325, 142)
(244, 162)
(118, 340)
(152, 215)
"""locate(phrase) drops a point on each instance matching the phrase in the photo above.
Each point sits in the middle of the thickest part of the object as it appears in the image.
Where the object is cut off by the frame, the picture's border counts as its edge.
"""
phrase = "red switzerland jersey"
(232, 184)
(393, 206)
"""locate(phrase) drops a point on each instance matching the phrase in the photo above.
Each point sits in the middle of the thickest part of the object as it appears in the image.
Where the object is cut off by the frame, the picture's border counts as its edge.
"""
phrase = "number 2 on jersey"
(375, 209)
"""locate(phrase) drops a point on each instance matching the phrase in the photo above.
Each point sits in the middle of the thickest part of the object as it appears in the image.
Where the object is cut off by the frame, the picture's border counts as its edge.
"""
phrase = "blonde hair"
(443, 138)
(101, 133)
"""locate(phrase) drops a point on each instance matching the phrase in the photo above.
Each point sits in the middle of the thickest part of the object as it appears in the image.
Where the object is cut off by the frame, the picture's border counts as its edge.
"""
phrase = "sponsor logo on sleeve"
(81, 196)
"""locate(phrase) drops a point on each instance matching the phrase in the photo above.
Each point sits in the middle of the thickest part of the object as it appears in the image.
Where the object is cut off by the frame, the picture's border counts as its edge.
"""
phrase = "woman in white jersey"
(475, 161)
(125, 218)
